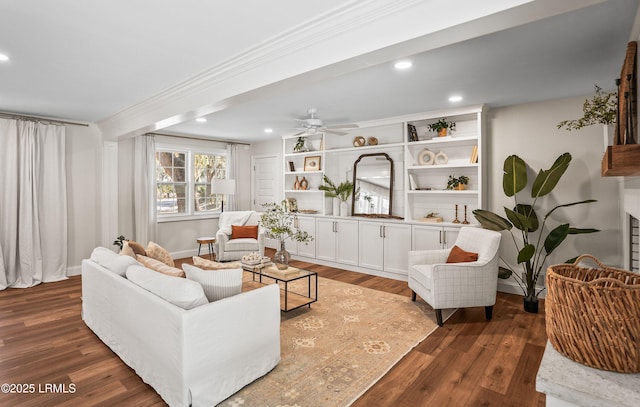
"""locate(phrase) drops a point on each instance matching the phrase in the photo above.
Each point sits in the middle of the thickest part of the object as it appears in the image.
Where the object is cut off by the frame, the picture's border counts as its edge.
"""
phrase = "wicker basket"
(593, 315)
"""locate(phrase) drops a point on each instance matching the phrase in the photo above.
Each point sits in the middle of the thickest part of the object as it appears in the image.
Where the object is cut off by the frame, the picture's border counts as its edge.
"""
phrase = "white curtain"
(232, 171)
(144, 193)
(33, 203)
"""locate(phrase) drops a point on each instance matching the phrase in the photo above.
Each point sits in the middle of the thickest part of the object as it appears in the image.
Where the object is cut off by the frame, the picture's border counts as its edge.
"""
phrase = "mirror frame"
(355, 175)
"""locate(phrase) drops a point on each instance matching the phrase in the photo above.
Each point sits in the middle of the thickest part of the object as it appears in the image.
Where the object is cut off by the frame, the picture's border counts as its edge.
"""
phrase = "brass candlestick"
(456, 219)
(465, 222)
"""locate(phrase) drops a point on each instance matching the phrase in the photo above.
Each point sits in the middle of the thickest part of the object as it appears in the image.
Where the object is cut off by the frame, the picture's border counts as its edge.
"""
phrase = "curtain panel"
(144, 189)
(33, 203)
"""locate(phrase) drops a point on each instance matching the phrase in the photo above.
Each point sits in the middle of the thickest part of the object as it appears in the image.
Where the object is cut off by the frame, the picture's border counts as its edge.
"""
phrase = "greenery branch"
(331, 190)
(600, 109)
(278, 223)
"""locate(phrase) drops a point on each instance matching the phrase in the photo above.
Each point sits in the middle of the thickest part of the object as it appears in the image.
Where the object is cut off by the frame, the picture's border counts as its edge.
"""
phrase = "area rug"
(335, 350)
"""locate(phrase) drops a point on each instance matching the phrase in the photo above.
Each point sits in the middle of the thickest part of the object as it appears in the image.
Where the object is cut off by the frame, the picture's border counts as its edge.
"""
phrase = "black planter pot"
(531, 304)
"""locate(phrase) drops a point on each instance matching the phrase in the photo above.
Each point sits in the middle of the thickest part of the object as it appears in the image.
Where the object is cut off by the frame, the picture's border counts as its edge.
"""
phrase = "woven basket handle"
(591, 257)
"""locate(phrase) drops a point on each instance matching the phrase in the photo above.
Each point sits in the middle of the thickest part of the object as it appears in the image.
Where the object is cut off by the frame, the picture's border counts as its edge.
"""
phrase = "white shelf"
(302, 191)
(305, 154)
(443, 192)
(365, 148)
(440, 166)
(449, 140)
(303, 172)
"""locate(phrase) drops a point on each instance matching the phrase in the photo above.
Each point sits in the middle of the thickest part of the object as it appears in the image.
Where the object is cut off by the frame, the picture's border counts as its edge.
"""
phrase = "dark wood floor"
(468, 362)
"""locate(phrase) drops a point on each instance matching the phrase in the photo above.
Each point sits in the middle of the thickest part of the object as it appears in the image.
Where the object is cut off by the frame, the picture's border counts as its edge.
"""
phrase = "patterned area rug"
(334, 351)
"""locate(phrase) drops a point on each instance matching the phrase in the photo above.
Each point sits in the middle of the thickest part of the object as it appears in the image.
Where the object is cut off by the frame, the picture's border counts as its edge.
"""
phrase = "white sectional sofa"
(191, 357)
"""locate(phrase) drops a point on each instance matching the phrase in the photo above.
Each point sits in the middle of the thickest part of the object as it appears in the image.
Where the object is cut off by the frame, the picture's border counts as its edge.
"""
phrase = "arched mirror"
(373, 179)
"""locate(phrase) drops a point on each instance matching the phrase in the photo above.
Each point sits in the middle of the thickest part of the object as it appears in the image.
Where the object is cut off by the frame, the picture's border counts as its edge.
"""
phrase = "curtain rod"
(199, 138)
(39, 119)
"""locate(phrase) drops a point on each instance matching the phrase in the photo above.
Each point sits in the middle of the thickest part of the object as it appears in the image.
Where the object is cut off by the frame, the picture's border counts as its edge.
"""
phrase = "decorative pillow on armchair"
(217, 284)
(240, 232)
(457, 255)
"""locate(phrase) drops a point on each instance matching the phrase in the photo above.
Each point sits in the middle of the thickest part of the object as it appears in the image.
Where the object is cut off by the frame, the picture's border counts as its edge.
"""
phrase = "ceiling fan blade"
(336, 132)
(300, 133)
(344, 126)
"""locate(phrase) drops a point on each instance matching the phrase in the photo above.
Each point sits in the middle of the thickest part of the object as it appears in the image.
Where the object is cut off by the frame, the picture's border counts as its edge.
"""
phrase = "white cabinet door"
(325, 239)
(397, 243)
(427, 237)
(371, 245)
(308, 225)
(450, 236)
(347, 241)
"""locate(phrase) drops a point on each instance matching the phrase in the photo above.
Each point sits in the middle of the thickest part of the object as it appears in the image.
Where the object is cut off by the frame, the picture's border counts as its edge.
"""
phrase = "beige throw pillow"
(155, 251)
(159, 266)
(127, 250)
(217, 284)
(215, 265)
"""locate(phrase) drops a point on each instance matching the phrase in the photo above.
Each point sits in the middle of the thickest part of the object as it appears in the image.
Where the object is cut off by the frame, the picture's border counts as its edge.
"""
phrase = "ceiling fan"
(313, 125)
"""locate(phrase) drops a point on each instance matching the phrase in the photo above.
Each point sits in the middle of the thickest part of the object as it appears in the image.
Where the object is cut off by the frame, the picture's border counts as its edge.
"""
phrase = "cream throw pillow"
(215, 265)
(217, 284)
(155, 251)
(159, 266)
(127, 250)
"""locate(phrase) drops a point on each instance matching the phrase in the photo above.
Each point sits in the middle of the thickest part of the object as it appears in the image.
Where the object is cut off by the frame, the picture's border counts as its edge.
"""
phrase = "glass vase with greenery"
(342, 191)
(279, 224)
(535, 244)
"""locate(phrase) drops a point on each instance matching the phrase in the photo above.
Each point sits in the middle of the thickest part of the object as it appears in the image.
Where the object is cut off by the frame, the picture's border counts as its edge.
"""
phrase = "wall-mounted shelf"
(621, 160)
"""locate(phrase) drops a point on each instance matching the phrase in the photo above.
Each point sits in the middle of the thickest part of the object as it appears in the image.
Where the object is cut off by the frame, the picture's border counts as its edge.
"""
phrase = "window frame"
(190, 152)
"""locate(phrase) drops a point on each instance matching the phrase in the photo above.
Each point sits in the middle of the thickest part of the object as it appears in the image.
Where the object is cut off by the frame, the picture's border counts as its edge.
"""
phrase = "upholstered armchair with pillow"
(238, 234)
(464, 276)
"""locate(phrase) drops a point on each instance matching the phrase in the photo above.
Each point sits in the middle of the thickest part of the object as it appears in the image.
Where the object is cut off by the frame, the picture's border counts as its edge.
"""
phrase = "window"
(183, 181)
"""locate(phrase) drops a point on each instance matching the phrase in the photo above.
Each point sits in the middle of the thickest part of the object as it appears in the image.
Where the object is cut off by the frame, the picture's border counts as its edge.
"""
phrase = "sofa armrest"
(236, 337)
(428, 256)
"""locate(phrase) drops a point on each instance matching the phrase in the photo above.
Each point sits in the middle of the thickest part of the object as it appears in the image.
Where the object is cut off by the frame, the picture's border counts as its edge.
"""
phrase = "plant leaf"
(578, 231)
(526, 253)
(491, 221)
(523, 217)
(504, 273)
(555, 237)
(570, 204)
(548, 179)
(515, 175)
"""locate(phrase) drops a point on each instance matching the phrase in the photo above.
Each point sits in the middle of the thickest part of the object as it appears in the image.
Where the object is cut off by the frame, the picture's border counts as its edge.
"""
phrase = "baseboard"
(74, 271)
(357, 269)
(183, 254)
(511, 287)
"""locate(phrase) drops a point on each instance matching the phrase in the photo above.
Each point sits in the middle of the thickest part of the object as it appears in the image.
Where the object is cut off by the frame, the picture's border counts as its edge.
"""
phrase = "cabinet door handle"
(384, 231)
(335, 226)
(444, 233)
(440, 235)
(380, 231)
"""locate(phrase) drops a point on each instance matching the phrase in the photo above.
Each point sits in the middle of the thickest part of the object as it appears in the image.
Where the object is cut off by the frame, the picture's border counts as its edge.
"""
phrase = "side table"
(209, 241)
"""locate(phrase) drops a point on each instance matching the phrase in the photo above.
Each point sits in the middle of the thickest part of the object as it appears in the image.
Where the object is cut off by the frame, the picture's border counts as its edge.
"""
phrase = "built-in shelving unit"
(412, 199)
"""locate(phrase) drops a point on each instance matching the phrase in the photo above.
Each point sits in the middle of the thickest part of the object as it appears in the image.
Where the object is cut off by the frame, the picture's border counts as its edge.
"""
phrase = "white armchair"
(458, 285)
(234, 249)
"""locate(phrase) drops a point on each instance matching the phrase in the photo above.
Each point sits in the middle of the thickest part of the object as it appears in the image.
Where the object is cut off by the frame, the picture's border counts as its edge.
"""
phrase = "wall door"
(265, 181)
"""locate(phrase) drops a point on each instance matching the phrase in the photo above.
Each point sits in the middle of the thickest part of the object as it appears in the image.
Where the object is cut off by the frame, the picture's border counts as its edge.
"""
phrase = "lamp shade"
(223, 186)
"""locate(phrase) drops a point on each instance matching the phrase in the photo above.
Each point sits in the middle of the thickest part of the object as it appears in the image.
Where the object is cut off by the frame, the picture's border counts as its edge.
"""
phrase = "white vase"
(344, 208)
(336, 207)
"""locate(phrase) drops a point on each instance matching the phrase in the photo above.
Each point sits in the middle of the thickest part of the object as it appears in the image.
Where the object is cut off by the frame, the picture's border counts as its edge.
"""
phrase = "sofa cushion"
(239, 232)
(112, 261)
(155, 251)
(457, 255)
(214, 265)
(159, 266)
(217, 284)
(181, 292)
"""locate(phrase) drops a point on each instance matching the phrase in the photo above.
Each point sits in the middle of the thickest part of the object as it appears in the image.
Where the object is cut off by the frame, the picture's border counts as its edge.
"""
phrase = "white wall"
(530, 131)
(84, 158)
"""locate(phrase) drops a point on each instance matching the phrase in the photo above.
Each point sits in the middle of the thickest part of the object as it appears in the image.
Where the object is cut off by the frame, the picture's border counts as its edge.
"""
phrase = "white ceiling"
(91, 61)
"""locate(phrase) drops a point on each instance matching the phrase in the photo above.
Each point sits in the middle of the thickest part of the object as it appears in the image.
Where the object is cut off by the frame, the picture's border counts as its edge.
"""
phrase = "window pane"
(170, 198)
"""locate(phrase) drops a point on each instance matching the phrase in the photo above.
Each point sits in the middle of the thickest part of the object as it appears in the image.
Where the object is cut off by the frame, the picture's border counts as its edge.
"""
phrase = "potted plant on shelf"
(279, 224)
(341, 192)
(457, 182)
(442, 126)
(300, 146)
(534, 248)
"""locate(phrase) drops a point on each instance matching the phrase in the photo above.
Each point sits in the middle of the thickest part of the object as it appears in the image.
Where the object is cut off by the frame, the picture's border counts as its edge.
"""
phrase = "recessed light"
(455, 98)
(268, 130)
(201, 120)
(403, 65)
(4, 57)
